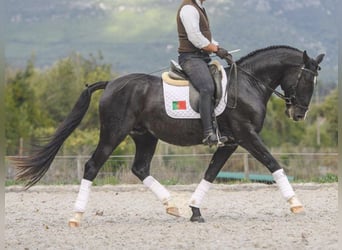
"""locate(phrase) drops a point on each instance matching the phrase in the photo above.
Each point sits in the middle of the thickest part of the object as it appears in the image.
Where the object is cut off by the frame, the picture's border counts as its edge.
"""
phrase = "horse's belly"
(178, 132)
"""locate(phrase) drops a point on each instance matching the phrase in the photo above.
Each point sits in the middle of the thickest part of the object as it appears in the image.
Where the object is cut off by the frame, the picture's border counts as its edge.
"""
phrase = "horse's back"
(125, 99)
(124, 86)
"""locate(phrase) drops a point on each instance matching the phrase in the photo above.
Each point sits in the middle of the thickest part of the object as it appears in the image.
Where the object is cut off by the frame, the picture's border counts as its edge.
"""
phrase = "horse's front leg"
(219, 158)
(254, 145)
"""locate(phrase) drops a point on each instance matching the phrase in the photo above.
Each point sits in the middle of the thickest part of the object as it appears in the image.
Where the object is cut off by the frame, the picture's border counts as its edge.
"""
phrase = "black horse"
(133, 105)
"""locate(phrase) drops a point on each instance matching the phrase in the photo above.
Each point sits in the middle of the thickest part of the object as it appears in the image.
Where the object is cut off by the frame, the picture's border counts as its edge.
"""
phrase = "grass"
(328, 178)
(13, 183)
(169, 182)
(112, 180)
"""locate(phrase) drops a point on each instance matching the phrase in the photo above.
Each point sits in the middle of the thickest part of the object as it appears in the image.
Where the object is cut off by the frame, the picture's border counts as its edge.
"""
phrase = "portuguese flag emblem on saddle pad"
(179, 105)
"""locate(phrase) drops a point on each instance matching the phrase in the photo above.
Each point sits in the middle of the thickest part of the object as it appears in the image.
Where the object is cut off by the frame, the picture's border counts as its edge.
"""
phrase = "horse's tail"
(33, 168)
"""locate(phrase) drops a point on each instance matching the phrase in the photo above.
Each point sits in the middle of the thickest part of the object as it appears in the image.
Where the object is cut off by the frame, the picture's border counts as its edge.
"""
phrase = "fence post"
(246, 166)
(79, 167)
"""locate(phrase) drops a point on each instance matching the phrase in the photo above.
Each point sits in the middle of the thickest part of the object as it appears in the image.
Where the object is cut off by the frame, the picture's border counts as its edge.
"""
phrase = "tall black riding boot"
(206, 109)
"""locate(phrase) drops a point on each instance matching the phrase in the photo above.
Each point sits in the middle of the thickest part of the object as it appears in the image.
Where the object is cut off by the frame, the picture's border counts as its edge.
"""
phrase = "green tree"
(59, 89)
(38, 100)
(22, 112)
(278, 128)
(330, 110)
(324, 121)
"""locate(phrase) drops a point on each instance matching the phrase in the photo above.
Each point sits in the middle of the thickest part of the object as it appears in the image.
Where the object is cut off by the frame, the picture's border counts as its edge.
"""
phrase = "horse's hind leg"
(109, 140)
(145, 148)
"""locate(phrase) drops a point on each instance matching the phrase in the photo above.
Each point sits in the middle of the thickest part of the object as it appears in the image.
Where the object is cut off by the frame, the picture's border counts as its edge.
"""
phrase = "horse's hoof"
(173, 211)
(198, 219)
(76, 220)
(297, 209)
(74, 223)
(295, 205)
(196, 215)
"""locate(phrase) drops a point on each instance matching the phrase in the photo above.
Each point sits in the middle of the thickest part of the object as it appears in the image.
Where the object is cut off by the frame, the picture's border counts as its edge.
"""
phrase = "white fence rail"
(186, 169)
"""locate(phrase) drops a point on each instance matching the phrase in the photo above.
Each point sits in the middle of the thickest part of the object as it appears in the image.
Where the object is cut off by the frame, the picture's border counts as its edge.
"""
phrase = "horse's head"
(299, 87)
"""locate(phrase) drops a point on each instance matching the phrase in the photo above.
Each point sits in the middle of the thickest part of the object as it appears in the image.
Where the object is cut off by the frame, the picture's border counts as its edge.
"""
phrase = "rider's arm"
(190, 19)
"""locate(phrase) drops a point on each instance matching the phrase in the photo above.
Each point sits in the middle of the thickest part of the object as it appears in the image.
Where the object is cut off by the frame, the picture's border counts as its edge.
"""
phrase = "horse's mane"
(266, 49)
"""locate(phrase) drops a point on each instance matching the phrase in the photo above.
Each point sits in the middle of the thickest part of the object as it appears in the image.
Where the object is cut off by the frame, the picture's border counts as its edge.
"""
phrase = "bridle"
(291, 99)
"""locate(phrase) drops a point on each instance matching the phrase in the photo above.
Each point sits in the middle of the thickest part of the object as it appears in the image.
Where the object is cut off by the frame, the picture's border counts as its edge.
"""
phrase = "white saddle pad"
(177, 104)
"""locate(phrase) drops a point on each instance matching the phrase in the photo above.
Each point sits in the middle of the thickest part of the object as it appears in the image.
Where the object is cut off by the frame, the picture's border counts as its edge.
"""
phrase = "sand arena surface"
(244, 216)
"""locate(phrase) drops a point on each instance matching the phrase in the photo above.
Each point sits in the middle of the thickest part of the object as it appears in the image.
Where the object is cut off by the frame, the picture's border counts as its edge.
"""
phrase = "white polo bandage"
(283, 184)
(159, 190)
(200, 192)
(83, 196)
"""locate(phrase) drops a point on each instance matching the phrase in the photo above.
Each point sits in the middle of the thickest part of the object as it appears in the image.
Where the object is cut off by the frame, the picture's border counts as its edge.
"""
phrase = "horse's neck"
(263, 67)
(268, 67)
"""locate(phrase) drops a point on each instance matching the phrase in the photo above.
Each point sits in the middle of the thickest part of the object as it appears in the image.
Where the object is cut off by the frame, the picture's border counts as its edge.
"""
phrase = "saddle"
(177, 77)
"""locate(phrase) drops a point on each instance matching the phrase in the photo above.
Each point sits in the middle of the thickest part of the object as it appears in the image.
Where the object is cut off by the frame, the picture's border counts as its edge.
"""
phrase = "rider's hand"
(224, 54)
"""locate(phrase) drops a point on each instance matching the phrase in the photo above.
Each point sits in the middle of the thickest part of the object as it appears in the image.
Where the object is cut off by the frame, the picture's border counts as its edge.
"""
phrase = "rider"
(195, 46)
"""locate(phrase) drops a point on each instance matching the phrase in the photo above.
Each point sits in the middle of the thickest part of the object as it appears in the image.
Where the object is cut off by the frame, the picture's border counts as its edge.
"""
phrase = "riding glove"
(224, 54)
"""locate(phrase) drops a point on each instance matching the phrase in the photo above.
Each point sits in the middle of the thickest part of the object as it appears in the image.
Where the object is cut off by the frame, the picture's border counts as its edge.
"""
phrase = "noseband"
(291, 100)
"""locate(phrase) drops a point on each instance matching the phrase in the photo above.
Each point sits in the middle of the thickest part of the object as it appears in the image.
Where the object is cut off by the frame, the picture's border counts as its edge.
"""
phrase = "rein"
(277, 93)
(288, 100)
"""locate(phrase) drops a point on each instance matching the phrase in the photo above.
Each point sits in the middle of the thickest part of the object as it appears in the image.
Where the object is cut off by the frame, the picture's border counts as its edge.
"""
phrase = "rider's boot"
(210, 137)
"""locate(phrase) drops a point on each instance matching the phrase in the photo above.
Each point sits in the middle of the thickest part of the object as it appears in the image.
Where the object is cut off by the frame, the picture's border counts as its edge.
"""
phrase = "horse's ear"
(306, 58)
(319, 58)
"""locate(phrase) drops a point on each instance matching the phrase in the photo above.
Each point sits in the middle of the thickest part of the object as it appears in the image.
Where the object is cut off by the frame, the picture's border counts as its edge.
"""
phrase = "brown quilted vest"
(184, 44)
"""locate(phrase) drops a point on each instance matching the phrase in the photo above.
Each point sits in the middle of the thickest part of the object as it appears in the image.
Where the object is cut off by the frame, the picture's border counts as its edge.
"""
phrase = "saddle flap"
(215, 70)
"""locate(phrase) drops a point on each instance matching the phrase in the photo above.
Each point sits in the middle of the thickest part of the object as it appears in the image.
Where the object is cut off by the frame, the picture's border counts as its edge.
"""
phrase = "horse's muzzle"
(296, 114)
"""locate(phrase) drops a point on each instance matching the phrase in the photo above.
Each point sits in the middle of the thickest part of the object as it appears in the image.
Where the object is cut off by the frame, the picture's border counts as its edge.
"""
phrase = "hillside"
(140, 36)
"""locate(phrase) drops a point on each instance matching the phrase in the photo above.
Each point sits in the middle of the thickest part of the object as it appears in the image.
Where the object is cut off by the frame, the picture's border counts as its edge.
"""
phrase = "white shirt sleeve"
(214, 42)
(190, 18)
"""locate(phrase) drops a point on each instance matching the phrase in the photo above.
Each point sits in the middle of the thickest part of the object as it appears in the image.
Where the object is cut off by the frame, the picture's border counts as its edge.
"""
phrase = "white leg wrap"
(159, 190)
(83, 195)
(200, 192)
(283, 184)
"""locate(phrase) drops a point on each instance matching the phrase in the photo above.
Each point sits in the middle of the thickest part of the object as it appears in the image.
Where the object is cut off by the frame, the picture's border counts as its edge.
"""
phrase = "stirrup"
(221, 139)
(210, 139)
(213, 139)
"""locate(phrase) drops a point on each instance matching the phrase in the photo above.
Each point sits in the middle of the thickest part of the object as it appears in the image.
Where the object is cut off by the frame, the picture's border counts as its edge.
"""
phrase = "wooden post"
(21, 146)
(246, 166)
(79, 167)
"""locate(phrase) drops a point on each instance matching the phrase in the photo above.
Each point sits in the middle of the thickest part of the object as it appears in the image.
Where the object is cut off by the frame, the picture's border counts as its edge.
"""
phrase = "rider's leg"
(205, 109)
(196, 67)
